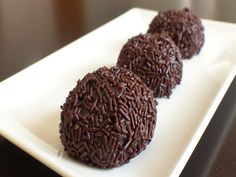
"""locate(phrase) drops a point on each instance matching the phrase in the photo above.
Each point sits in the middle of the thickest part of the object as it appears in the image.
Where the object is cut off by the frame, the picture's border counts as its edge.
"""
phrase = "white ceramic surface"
(30, 100)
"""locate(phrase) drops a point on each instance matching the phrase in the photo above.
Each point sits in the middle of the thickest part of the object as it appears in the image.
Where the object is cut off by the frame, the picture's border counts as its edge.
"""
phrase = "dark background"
(32, 29)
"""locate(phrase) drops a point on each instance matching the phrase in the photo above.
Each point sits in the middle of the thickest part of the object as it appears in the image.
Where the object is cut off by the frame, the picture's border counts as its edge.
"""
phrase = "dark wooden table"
(30, 30)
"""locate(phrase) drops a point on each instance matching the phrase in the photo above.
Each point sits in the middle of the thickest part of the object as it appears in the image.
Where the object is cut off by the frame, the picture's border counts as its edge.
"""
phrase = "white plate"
(30, 100)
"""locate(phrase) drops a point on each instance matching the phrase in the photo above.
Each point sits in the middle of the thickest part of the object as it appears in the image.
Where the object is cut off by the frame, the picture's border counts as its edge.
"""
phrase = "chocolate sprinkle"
(184, 27)
(108, 118)
(155, 59)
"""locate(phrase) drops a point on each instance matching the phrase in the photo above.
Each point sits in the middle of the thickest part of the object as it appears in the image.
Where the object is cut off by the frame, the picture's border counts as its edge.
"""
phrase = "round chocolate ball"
(108, 118)
(184, 27)
(155, 59)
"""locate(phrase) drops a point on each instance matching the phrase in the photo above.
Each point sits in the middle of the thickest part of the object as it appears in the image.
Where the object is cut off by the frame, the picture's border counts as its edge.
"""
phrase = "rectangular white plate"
(30, 100)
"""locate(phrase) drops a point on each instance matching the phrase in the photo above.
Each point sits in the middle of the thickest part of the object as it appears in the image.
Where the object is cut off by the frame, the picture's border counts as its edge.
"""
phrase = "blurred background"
(223, 10)
(34, 29)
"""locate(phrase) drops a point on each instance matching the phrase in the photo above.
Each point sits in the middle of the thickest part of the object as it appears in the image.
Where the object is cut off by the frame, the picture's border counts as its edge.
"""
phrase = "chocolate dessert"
(184, 27)
(108, 118)
(155, 59)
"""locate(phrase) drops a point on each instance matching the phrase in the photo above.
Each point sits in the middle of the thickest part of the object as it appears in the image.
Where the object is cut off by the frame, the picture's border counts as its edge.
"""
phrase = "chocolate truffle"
(108, 118)
(155, 59)
(184, 27)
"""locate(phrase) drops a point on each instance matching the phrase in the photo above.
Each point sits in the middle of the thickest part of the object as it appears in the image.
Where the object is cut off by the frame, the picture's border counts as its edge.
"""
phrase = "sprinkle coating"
(108, 118)
(184, 27)
(155, 59)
